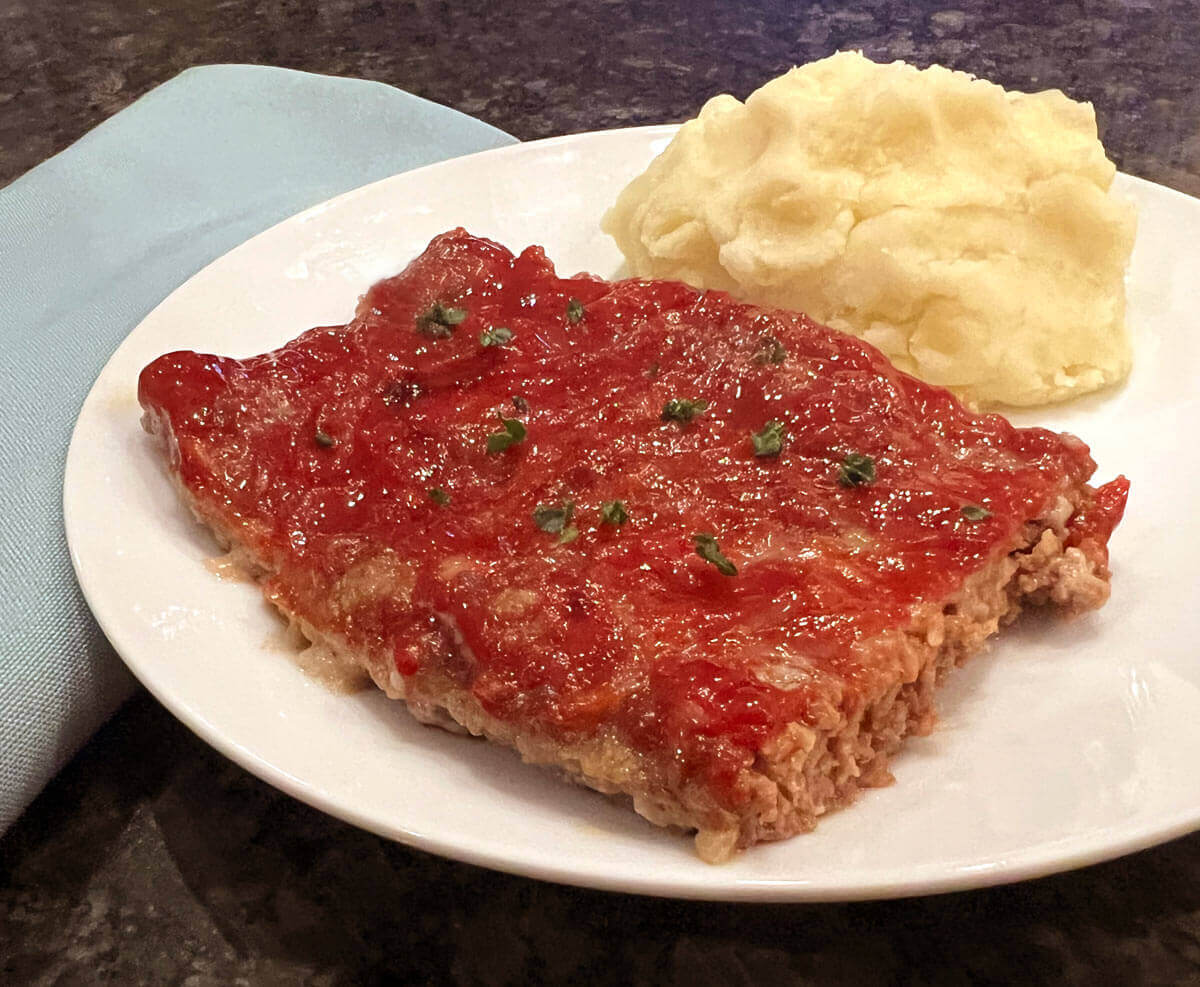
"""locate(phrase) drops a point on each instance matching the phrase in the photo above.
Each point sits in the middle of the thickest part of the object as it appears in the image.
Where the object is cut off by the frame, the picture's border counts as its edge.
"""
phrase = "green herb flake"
(708, 549)
(856, 470)
(683, 409)
(770, 350)
(556, 520)
(324, 439)
(613, 512)
(574, 311)
(438, 321)
(973, 512)
(768, 442)
(439, 496)
(511, 432)
(496, 336)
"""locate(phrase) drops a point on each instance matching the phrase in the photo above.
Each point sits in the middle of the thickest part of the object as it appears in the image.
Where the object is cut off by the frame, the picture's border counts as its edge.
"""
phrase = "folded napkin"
(92, 240)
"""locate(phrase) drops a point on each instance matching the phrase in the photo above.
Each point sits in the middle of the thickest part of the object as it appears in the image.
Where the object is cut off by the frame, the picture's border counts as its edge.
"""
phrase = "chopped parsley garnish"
(973, 512)
(496, 336)
(520, 404)
(511, 432)
(439, 496)
(324, 439)
(552, 519)
(574, 311)
(768, 442)
(438, 321)
(557, 520)
(683, 409)
(770, 350)
(613, 512)
(708, 549)
(856, 470)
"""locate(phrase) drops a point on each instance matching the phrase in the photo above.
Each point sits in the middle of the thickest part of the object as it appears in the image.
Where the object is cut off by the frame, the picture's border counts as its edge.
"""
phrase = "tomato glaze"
(355, 460)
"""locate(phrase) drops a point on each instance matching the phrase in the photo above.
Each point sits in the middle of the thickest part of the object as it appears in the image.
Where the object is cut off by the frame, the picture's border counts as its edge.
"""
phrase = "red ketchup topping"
(323, 454)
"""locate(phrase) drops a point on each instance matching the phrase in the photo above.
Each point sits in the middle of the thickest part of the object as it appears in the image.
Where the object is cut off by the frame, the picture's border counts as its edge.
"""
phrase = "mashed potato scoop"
(968, 232)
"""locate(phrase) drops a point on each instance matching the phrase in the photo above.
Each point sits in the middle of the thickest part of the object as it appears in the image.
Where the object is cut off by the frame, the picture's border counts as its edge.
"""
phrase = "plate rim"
(1039, 861)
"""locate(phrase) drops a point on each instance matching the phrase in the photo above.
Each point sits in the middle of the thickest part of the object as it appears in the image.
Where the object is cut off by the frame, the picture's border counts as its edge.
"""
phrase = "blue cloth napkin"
(92, 240)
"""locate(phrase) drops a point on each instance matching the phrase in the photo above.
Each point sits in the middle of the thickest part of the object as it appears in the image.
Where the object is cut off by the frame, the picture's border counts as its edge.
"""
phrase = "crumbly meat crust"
(805, 771)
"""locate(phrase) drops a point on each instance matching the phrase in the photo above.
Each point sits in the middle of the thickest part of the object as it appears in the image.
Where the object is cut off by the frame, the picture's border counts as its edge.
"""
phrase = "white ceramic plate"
(1063, 745)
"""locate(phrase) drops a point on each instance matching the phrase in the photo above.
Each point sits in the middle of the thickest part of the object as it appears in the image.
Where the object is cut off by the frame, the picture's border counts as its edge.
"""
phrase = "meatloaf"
(711, 557)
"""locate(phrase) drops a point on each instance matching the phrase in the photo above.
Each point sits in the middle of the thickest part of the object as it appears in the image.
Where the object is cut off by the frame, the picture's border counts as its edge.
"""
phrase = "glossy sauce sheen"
(321, 457)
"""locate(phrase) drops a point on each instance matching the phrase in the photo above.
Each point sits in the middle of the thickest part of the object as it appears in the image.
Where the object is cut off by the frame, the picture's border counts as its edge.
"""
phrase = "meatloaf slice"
(706, 555)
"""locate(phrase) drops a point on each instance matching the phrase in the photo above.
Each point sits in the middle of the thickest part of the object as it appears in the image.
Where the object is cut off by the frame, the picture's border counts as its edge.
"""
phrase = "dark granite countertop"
(151, 859)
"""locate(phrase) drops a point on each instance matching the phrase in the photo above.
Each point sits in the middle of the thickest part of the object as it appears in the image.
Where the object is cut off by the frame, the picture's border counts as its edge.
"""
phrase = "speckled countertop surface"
(151, 859)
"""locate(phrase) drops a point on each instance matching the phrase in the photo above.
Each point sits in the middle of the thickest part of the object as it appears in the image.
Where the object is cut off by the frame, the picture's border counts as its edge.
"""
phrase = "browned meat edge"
(806, 771)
